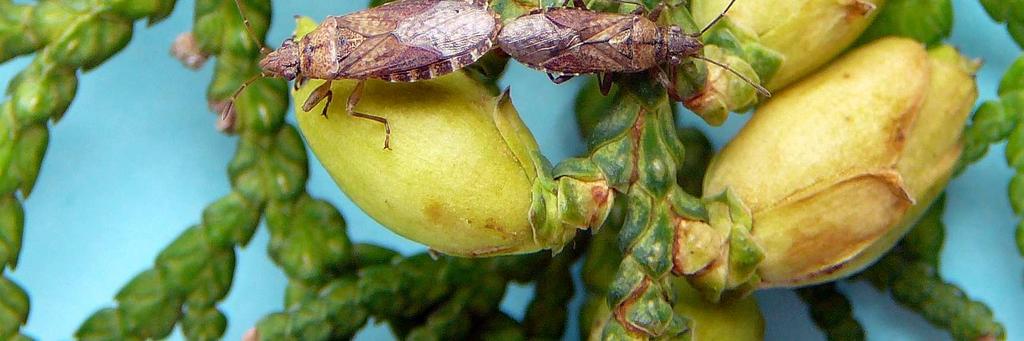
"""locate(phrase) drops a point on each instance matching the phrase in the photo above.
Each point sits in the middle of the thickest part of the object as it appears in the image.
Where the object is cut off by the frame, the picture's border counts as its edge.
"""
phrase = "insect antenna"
(760, 89)
(231, 102)
(713, 22)
(248, 28)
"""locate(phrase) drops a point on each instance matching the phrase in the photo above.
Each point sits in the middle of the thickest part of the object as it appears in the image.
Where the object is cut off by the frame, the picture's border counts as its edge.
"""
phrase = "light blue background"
(136, 159)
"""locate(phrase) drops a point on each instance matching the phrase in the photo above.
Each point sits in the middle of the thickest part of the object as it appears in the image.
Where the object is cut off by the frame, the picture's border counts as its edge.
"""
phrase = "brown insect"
(567, 42)
(402, 41)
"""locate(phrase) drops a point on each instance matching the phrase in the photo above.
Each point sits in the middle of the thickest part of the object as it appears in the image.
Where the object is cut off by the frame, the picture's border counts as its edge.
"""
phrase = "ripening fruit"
(461, 171)
(807, 33)
(837, 167)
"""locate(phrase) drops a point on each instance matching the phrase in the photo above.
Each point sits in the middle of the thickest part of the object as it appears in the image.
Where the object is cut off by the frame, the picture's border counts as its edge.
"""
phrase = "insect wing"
(385, 18)
(438, 40)
(571, 41)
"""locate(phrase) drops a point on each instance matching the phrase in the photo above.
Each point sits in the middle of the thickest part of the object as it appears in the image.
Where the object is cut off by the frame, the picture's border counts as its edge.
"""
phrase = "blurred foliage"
(927, 21)
(1009, 12)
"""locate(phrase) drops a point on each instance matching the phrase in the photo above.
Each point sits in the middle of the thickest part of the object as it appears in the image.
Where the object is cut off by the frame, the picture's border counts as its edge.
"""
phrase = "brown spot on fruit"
(434, 211)
(858, 8)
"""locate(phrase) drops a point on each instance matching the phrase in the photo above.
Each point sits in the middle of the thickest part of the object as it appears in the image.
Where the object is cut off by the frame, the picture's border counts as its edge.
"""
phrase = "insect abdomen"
(576, 41)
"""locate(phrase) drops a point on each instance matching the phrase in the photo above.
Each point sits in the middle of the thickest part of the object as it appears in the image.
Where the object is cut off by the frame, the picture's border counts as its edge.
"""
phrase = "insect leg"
(319, 94)
(656, 12)
(248, 28)
(560, 79)
(353, 99)
(605, 82)
(666, 80)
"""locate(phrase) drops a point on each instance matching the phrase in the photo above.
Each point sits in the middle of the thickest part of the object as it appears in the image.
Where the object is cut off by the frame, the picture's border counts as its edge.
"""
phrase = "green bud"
(837, 167)
(805, 33)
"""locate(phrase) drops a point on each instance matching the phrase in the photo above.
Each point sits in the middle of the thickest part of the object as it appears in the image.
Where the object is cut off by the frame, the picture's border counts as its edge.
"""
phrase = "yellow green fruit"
(459, 176)
(807, 33)
(839, 165)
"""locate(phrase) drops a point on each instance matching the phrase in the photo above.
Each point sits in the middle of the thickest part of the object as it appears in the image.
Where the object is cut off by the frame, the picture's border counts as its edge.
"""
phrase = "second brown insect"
(566, 42)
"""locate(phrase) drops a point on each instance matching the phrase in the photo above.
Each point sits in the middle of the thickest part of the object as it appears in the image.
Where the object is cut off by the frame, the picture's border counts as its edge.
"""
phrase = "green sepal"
(721, 95)
(307, 239)
(737, 41)
(732, 273)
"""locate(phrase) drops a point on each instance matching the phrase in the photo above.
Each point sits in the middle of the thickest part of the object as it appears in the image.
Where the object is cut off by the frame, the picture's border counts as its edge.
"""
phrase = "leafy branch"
(268, 174)
(910, 273)
(634, 156)
(65, 37)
